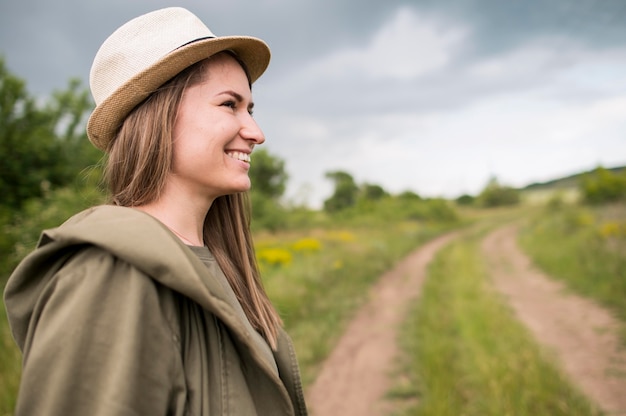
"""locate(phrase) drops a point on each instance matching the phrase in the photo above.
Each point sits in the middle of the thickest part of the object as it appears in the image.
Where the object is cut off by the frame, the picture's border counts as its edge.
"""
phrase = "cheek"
(189, 138)
(199, 149)
(189, 151)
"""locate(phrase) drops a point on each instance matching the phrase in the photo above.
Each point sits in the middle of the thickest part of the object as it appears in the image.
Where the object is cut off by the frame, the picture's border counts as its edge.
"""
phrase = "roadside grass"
(584, 247)
(464, 353)
(10, 366)
(322, 277)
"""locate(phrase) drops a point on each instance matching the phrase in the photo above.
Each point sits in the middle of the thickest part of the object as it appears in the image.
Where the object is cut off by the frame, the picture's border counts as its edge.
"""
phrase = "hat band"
(194, 41)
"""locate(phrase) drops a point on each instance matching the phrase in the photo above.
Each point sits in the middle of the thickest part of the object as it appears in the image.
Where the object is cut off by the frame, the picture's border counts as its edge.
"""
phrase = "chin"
(243, 187)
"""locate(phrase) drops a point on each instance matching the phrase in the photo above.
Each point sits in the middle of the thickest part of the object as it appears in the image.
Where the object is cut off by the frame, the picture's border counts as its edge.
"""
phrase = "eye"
(230, 104)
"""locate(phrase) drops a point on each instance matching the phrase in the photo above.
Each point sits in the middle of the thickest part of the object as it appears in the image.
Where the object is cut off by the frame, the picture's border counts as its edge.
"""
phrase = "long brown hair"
(139, 160)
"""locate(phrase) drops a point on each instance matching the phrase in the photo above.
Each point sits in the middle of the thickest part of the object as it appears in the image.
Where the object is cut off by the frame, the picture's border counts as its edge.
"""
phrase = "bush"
(465, 200)
(601, 186)
(21, 231)
(496, 195)
(267, 213)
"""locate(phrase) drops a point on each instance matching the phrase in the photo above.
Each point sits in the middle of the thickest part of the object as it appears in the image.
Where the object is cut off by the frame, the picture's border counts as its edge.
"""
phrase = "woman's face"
(215, 133)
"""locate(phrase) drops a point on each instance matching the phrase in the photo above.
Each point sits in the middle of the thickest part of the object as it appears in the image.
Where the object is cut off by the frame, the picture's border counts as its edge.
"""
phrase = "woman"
(153, 305)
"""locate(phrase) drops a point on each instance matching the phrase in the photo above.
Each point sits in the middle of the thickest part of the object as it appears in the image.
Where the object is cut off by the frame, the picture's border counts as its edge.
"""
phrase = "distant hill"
(566, 182)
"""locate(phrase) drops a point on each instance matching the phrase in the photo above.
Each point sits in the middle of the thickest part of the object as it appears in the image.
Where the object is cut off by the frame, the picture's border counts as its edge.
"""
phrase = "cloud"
(406, 47)
(383, 73)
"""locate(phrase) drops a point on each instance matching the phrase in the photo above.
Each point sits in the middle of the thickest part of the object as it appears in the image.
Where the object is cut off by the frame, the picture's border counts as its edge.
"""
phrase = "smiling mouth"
(244, 157)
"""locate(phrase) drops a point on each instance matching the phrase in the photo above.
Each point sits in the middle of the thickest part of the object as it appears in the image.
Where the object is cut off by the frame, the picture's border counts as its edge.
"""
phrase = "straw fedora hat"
(146, 52)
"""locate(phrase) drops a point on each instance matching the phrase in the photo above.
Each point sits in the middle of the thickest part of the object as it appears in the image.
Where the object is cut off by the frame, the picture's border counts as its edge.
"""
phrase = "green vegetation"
(42, 145)
(568, 182)
(465, 200)
(10, 367)
(371, 203)
(466, 354)
(497, 195)
(319, 278)
(269, 179)
(604, 186)
(346, 192)
(43, 148)
(585, 247)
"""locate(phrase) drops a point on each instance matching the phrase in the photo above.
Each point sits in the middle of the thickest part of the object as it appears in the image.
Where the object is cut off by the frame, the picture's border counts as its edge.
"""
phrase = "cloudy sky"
(434, 96)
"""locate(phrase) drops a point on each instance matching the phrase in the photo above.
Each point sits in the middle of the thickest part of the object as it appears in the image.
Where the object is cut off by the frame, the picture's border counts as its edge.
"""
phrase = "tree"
(465, 199)
(372, 192)
(40, 145)
(495, 195)
(267, 174)
(601, 186)
(409, 196)
(345, 194)
(268, 177)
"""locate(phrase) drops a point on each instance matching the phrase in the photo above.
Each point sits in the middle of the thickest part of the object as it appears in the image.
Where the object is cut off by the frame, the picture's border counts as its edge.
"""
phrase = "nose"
(251, 131)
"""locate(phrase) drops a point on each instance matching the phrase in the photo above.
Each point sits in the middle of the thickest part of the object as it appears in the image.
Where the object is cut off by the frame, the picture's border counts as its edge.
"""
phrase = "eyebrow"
(238, 97)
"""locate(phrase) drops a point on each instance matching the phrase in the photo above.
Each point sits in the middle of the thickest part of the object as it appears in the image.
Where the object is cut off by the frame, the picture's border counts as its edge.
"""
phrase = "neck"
(185, 239)
(182, 219)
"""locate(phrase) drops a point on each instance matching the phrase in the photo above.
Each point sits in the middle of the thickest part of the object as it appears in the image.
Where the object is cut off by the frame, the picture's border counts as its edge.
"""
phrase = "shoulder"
(94, 262)
(105, 213)
(103, 217)
(95, 282)
(121, 233)
(92, 269)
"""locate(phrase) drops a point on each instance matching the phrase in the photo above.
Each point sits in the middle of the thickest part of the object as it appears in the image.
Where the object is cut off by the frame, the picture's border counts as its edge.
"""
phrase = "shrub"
(465, 200)
(496, 195)
(601, 186)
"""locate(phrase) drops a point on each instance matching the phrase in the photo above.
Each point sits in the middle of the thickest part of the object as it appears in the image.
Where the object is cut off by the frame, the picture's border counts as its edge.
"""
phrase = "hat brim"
(107, 117)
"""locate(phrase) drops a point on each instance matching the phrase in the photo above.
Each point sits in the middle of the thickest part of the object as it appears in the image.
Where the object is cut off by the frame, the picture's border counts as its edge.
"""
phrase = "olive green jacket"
(115, 316)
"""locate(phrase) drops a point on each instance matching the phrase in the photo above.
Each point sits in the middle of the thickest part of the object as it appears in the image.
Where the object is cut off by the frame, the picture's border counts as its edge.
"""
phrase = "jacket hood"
(128, 234)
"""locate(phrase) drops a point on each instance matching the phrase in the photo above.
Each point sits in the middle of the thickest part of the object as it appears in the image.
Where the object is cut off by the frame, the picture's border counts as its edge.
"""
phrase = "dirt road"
(582, 335)
(356, 374)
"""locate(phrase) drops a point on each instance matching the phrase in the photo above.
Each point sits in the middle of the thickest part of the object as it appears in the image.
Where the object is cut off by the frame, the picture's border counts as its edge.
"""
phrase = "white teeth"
(239, 156)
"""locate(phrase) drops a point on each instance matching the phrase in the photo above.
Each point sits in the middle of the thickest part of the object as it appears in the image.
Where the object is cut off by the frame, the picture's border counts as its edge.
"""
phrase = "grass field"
(465, 354)
(585, 248)
(318, 281)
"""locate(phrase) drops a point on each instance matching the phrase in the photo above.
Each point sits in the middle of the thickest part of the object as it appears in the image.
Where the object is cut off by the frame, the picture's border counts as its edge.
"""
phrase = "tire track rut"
(356, 375)
(582, 335)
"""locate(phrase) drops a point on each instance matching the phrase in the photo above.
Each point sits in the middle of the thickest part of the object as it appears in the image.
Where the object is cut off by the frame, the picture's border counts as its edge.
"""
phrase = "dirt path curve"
(582, 335)
(356, 375)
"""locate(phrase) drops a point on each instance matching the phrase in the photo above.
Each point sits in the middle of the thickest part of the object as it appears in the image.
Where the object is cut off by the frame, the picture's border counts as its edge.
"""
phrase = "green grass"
(585, 248)
(10, 366)
(319, 291)
(465, 353)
